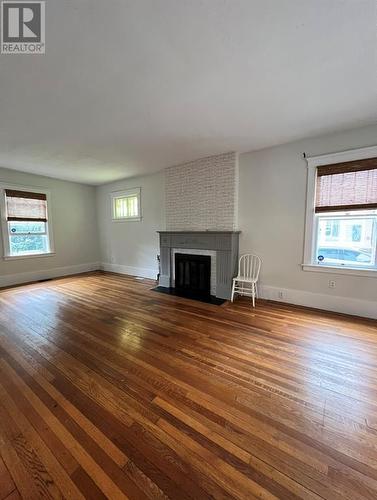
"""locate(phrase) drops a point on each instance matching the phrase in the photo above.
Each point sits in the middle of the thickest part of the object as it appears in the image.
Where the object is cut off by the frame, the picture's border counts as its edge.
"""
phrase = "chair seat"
(245, 279)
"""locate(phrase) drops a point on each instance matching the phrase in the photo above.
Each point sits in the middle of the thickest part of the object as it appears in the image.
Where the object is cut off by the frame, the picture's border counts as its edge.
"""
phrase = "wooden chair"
(246, 281)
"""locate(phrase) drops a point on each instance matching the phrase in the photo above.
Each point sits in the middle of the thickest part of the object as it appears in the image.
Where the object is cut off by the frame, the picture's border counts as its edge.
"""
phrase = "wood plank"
(105, 484)
(7, 485)
(45, 455)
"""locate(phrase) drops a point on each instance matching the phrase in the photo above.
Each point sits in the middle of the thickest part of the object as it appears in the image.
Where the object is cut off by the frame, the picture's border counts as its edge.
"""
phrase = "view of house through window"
(347, 239)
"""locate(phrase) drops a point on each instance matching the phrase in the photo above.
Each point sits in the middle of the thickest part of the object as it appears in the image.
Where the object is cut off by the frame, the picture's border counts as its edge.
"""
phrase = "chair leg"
(253, 293)
(233, 287)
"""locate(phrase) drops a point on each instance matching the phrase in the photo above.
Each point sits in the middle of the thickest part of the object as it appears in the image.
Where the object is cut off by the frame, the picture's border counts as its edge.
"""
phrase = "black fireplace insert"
(193, 274)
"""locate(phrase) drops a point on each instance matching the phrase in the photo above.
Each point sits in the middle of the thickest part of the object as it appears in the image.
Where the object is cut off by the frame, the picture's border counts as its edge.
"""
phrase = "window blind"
(25, 206)
(126, 207)
(347, 186)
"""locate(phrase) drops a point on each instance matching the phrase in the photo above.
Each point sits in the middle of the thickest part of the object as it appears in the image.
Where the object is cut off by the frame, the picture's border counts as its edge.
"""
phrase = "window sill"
(127, 219)
(31, 256)
(368, 273)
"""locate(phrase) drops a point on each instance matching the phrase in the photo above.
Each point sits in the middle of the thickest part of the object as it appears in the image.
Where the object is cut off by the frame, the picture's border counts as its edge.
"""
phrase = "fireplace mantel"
(225, 243)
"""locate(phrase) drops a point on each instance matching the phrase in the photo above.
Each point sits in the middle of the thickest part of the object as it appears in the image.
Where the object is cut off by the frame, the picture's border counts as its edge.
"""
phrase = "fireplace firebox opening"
(193, 274)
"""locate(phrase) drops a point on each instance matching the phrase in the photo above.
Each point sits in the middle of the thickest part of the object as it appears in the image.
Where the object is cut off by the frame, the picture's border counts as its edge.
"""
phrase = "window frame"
(125, 194)
(310, 238)
(5, 228)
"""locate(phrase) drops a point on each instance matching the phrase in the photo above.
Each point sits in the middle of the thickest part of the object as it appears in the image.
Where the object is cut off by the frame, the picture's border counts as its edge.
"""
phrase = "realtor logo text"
(22, 27)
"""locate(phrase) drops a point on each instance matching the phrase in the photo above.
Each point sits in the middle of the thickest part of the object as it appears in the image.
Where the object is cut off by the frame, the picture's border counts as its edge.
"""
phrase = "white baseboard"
(346, 305)
(56, 272)
(143, 272)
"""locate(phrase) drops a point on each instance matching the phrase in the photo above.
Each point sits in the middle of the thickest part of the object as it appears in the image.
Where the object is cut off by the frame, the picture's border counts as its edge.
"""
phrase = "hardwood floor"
(111, 390)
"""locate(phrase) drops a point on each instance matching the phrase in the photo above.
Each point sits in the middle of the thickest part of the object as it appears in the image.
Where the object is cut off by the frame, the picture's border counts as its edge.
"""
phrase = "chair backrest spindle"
(249, 266)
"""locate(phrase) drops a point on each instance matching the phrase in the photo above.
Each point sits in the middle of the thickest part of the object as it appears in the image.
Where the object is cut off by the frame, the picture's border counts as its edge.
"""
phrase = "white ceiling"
(132, 86)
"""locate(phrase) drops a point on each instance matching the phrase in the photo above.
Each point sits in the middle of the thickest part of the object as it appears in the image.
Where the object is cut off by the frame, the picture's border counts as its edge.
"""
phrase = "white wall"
(74, 226)
(131, 246)
(272, 216)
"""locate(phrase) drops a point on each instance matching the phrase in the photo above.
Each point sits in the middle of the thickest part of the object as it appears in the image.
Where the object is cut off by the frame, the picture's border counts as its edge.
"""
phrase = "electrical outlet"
(332, 284)
(280, 294)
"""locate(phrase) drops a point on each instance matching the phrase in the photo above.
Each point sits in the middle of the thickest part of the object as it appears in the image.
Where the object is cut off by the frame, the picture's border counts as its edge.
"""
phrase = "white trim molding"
(342, 156)
(312, 163)
(335, 303)
(141, 272)
(56, 272)
(29, 256)
(366, 273)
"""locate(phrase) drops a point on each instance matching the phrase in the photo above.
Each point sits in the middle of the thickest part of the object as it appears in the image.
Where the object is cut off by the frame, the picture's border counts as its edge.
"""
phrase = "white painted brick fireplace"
(202, 195)
(201, 214)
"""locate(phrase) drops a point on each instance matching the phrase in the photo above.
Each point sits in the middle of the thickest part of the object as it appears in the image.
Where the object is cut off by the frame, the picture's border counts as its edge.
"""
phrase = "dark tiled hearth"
(209, 299)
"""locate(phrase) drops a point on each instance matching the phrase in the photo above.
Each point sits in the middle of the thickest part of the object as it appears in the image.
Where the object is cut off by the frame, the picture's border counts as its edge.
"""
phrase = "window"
(125, 205)
(25, 223)
(355, 244)
(341, 221)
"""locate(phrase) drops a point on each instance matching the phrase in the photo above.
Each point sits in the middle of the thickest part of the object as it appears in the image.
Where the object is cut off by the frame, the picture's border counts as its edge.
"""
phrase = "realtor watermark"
(22, 27)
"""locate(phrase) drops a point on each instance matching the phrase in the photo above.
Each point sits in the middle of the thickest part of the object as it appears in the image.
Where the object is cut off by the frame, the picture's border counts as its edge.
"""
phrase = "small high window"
(125, 205)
